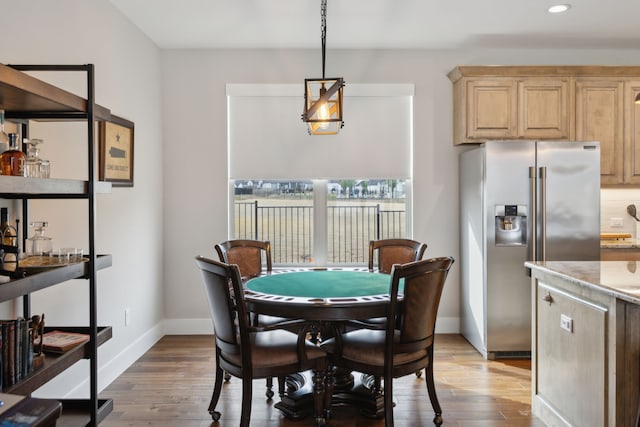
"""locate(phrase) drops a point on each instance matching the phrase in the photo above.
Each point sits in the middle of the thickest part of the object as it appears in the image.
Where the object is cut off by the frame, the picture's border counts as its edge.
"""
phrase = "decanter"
(32, 164)
(39, 244)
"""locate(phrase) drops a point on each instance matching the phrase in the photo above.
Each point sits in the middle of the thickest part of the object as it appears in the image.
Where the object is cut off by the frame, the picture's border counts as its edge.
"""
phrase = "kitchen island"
(585, 342)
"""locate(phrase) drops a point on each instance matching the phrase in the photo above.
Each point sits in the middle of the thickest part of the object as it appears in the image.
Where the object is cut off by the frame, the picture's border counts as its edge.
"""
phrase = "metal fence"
(290, 230)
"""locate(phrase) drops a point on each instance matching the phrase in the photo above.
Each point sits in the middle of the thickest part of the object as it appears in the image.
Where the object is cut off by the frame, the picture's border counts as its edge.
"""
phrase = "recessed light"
(559, 8)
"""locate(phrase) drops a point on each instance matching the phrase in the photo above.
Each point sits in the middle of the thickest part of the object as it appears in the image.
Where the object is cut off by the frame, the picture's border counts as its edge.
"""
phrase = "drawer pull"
(548, 298)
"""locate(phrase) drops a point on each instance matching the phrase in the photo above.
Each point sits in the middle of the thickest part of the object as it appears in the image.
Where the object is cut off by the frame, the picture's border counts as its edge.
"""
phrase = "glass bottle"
(4, 138)
(12, 160)
(39, 244)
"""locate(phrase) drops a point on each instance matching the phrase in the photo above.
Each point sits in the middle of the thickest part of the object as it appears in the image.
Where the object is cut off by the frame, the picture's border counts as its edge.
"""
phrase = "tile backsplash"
(613, 207)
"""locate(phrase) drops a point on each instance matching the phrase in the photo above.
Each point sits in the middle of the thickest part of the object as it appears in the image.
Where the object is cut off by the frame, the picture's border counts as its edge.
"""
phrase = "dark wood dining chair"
(247, 352)
(386, 252)
(405, 344)
(253, 257)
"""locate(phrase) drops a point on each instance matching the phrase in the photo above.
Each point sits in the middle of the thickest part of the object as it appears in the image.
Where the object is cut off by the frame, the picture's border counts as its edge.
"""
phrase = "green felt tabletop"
(322, 284)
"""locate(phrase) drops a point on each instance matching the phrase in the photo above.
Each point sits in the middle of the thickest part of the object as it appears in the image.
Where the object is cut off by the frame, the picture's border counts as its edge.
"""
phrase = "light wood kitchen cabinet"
(543, 108)
(632, 134)
(606, 112)
(491, 109)
(581, 103)
(510, 108)
(600, 117)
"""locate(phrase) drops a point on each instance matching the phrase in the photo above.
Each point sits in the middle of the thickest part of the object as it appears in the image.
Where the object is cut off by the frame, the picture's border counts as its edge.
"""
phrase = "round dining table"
(324, 298)
(319, 294)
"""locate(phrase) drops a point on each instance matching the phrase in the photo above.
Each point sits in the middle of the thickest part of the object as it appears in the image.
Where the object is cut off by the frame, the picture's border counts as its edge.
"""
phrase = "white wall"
(129, 220)
(614, 204)
(195, 188)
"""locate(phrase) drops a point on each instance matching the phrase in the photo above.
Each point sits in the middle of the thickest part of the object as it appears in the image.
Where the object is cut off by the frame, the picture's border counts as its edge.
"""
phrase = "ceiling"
(380, 24)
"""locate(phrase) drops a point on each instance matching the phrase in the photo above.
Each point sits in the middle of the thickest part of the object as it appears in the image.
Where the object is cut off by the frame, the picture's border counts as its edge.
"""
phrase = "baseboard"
(112, 369)
(74, 383)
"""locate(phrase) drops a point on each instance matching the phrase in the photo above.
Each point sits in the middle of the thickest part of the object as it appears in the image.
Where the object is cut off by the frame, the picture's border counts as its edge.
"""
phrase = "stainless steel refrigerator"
(511, 192)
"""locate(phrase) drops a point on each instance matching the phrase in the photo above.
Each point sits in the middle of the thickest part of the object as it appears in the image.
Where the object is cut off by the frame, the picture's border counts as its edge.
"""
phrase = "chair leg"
(431, 388)
(388, 401)
(247, 390)
(217, 388)
(269, 393)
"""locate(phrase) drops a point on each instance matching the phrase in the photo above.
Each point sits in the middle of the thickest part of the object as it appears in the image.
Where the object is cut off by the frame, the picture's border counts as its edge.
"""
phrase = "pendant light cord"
(323, 31)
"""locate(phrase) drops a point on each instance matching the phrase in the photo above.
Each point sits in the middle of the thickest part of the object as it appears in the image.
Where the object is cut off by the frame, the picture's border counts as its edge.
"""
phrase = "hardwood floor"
(171, 386)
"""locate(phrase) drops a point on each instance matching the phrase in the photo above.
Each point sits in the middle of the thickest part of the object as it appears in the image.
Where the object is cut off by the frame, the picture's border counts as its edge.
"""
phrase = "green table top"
(322, 284)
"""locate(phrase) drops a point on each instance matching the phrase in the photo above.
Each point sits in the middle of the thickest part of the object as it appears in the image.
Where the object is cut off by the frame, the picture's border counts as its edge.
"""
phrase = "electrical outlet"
(127, 316)
(616, 222)
(566, 323)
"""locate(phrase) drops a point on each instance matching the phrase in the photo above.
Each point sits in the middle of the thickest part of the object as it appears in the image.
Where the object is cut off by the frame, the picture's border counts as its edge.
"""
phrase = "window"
(318, 199)
(291, 214)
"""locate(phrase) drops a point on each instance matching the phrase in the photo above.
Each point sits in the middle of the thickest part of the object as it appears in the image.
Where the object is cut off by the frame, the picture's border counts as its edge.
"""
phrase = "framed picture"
(116, 152)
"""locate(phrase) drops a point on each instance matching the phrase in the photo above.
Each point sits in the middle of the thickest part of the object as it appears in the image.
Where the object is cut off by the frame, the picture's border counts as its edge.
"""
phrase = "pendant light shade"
(323, 105)
(323, 97)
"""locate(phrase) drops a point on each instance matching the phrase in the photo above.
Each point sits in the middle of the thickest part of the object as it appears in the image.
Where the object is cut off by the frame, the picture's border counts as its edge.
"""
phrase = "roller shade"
(268, 140)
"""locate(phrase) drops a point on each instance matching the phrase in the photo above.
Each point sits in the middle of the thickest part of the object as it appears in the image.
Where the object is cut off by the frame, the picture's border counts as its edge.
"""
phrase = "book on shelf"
(62, 341)
(16, 354)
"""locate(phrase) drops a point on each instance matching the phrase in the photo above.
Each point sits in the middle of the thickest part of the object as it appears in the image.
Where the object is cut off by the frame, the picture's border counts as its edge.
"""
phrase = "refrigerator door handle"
(543, 213)
(534, 213)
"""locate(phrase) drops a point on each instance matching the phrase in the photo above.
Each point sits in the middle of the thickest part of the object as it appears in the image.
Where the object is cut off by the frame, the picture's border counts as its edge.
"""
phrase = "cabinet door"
(623, 254)
(632, 139)
(492, 109)
(600, 117)
(543, 109)
(571, 362)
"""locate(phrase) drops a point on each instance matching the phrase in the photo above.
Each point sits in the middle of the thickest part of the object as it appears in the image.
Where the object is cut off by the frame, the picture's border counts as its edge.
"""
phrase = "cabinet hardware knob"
(548, 298)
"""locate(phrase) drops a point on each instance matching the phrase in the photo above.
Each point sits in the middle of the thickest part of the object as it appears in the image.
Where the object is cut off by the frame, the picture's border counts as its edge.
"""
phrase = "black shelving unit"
(25, 98)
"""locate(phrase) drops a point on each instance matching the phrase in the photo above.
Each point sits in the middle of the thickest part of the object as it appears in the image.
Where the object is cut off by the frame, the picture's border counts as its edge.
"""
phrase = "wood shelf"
(54, 365)
(24, 96)
(75, 412)
(44, 279)
(18, 187)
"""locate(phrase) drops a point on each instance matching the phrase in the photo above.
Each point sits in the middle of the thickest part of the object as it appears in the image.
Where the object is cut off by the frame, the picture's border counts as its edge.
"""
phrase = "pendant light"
(323, 97)
(638, 98)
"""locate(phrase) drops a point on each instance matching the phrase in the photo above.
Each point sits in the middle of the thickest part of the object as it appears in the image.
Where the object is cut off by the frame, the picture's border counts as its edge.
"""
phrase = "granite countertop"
(629, 243)
(618, 278)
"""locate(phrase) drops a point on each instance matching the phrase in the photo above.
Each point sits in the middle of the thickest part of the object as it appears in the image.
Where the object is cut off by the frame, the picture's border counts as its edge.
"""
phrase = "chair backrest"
(394, 251)
(223, 288)
(247, 255)
(423, 282)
